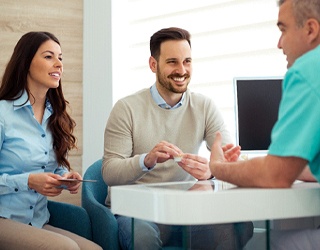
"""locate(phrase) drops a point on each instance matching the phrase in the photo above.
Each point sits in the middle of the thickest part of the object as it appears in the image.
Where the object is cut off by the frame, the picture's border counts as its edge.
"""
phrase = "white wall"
(97, 77)
(230, 38)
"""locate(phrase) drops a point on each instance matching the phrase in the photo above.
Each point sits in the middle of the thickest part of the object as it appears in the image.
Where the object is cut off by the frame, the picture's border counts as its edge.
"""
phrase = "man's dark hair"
(163, 35)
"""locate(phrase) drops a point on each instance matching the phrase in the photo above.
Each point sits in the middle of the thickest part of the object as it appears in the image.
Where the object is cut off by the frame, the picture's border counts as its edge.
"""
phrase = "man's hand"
(226, 153)
(195, 165)
(231, 152)
(162, 152)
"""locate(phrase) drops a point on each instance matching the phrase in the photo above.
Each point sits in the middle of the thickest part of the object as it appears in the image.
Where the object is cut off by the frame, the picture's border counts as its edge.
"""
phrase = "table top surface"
(214, 201)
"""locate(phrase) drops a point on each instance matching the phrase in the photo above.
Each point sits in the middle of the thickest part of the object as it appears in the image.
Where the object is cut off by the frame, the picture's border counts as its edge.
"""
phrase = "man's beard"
(165, 83)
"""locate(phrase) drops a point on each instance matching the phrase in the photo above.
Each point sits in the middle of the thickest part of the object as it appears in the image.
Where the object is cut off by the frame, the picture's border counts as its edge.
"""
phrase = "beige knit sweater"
(136, 124)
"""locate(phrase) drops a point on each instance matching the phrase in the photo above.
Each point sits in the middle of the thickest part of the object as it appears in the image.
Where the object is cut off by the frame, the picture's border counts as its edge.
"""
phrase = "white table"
(172, 203)
(211, 202)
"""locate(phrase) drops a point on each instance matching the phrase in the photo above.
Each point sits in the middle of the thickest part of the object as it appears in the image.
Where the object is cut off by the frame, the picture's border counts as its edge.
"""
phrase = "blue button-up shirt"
(25, 147)
(161, 102)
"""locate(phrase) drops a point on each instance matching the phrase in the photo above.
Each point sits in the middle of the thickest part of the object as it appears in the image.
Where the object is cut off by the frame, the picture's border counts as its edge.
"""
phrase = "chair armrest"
(104, 224)
(70, 217)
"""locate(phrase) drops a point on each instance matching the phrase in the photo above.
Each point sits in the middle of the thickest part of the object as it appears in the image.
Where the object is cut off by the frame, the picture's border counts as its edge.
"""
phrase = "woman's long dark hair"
(14, 82)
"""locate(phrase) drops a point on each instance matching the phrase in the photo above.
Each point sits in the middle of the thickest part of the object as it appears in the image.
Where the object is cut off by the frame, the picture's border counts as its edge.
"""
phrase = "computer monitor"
(256, 111)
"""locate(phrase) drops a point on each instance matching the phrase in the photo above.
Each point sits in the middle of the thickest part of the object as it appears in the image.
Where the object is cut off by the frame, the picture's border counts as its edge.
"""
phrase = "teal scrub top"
(297, 131)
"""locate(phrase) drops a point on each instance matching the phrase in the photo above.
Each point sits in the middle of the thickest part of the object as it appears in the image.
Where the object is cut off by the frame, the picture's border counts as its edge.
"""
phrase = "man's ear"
(313, 29)
(153, 64)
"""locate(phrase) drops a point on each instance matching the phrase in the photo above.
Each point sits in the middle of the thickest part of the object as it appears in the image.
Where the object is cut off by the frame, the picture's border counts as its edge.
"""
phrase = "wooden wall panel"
(65, 20)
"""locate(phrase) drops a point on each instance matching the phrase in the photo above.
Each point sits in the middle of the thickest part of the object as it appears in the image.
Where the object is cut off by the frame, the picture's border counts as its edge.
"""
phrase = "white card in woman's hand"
(76, 180)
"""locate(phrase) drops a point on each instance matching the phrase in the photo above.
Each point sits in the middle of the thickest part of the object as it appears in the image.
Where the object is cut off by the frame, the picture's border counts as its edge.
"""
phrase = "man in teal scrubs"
(295, 138)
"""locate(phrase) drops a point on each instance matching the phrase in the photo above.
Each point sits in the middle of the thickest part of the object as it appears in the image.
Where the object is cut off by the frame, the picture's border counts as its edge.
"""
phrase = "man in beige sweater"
(146, 130)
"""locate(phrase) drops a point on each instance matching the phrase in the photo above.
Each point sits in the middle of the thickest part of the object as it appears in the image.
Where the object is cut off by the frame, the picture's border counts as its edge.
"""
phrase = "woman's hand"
(45, 183)
(50, 184)
(73, 187)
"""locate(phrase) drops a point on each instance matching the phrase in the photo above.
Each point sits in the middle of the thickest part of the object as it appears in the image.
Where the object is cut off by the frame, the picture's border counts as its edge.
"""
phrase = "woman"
(35, 138)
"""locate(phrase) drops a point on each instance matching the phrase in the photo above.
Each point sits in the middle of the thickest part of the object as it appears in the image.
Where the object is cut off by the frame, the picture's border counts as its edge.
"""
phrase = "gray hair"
(304, 9)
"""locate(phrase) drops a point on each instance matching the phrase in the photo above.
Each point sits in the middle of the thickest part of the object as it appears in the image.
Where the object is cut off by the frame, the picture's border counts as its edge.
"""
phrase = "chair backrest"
(99, 189)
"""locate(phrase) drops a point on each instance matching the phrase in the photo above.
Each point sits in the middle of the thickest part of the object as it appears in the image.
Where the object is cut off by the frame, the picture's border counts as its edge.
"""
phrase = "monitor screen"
(256, 109)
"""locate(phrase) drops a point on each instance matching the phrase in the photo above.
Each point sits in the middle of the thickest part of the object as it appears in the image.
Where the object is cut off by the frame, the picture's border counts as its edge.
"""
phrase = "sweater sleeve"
(120, 167)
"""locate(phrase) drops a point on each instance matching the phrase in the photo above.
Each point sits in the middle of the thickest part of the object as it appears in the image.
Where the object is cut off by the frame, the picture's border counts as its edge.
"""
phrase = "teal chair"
(70, 217)
(103, 223)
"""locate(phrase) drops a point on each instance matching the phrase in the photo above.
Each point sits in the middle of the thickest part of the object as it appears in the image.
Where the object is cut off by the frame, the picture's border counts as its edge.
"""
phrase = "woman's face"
(46, 67)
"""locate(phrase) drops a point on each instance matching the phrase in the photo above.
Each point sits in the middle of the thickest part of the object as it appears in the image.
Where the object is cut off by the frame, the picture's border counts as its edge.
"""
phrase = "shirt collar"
(23, 101)
(161, 102)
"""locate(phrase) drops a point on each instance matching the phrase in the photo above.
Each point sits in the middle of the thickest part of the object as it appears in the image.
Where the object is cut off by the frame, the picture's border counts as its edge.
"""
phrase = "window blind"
(229, 38)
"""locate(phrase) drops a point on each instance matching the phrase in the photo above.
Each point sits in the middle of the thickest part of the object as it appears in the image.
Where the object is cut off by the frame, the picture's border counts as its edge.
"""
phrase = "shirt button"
(46, 153)
(31, 207)
(43, 167)
(43, 135)
(16, 189)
